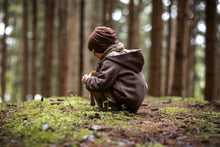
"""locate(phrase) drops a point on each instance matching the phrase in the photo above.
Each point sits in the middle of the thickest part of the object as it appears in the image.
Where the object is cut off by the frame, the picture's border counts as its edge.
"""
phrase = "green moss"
(174, 100)
(73, 118)
(169, 110)
(69, 120)
(80, 134)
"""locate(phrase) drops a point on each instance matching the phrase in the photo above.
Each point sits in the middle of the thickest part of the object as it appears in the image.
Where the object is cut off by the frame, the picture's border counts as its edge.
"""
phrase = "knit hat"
(101, 38)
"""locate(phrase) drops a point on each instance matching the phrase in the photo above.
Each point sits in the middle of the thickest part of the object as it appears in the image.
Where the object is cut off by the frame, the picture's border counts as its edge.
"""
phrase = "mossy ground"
(71, 121)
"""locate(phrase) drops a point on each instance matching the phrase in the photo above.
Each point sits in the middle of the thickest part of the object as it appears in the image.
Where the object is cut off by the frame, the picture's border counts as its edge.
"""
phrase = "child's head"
(100, 39)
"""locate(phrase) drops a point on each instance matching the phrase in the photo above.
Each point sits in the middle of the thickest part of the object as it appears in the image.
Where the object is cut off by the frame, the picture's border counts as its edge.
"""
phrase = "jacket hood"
(131, 59)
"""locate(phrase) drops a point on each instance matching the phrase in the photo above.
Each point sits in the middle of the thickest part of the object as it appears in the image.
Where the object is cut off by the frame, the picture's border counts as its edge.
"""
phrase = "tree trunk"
(218, 83)
(111, 6)
(107, 13)
(93, 19)
(133, 41)
(179, 82)
(190, 71)
(34, 49)
(62, 47)
(171, 48)
(131, 25)
(49, 28)
(156, 49)
(211, 50)
(25, 52)
(104, 13)
(4, 51)
(71, 26)
(81, 47)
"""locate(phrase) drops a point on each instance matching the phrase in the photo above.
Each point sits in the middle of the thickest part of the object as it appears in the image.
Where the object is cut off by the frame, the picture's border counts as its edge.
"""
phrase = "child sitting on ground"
(118, 78)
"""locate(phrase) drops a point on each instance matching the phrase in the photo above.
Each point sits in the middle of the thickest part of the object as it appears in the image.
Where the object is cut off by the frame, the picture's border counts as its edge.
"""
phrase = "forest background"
(44, 45)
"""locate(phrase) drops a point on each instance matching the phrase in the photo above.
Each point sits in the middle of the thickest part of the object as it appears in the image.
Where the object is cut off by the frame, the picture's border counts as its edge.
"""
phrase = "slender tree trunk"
(34, 49)
(190, 71)
(71, 26)
(91, 18)
(111, 7)
(93, 14)
(179, 82)
(62, 47)
(4, 51)
(104, 13)
(138, 9)
(49, 28)
(81, 48)
(211, 50)
(131, 25)
(25, 52)
(218, 83)
(171, 48)
(108, 6)
(134, 24)
(156, 49)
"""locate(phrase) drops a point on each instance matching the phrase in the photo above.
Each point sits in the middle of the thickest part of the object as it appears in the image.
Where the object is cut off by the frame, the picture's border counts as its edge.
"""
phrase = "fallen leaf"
(154, 109)
(60, 100)
(11, 105)
(95, 116)
(55, 103)
(167, 102)
(96, 127)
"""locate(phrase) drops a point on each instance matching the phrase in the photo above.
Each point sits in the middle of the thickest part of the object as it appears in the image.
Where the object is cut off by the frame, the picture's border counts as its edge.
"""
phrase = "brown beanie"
(101, 38)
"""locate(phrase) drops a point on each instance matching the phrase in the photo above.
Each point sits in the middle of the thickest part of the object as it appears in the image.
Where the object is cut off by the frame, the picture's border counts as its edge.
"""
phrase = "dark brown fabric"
(101, 38)
(121, 75)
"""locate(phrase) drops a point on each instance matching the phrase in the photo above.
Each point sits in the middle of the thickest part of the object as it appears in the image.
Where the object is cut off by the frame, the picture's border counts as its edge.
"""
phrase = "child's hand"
(85, 77)
(93, 73)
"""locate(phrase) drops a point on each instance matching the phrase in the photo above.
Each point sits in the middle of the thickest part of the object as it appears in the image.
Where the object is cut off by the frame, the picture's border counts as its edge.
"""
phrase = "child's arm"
(105, 79)
(86, 76)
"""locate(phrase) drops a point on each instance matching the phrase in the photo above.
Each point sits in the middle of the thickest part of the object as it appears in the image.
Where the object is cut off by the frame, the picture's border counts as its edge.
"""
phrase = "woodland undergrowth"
(71, 121)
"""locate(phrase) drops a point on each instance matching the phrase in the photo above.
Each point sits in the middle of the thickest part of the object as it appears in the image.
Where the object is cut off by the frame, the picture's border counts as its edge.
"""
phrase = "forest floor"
(71, 121)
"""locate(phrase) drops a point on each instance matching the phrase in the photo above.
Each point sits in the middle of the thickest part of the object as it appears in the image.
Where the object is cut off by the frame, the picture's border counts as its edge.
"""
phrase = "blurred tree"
(107, 13)
(48, 47)
(34, 48)
(179, 82)
(63, 49)
(211, 50)
(133, 40)
(71, 31)
(156, 49)
(171, 48)
(218, 83)
(81, 46)
(25, 51)
(193, 31)
(130, 25)
(4, 51)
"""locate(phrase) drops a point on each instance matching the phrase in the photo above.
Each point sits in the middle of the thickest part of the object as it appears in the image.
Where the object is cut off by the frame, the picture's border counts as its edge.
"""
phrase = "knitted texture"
(101, 38)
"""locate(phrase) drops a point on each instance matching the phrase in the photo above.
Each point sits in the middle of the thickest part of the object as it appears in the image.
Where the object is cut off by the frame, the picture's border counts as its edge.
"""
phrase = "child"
(118, 82)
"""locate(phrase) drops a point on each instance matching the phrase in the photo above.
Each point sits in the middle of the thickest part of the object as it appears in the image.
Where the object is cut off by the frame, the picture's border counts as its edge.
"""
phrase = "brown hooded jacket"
(121, 75)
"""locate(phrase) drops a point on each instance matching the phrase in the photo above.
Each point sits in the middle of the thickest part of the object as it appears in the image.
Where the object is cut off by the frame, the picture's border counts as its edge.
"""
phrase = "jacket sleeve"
(105, 79)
